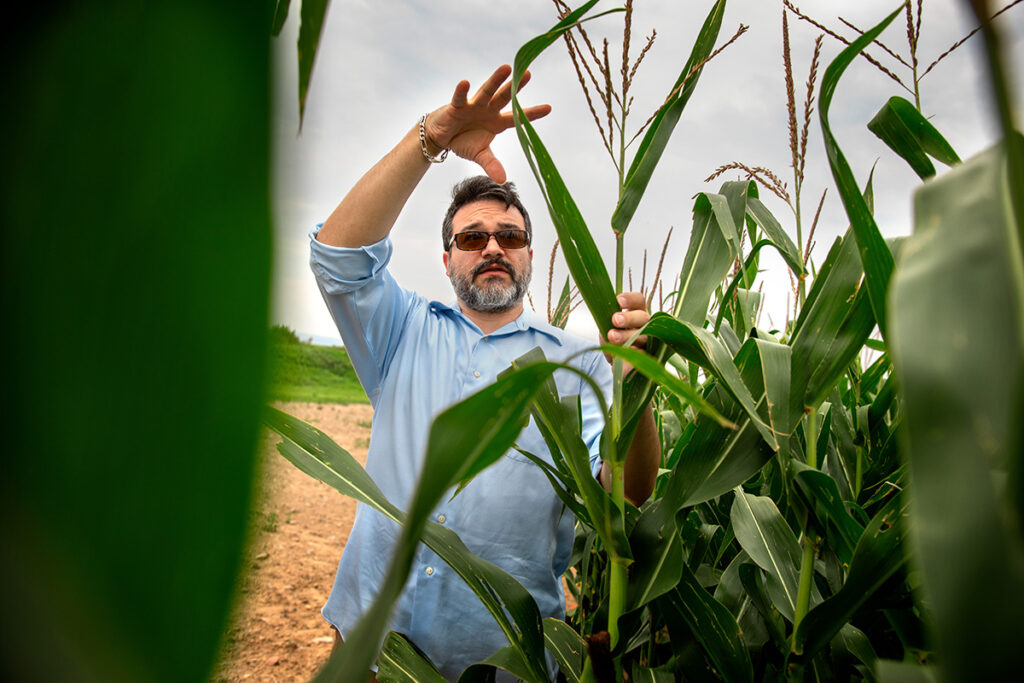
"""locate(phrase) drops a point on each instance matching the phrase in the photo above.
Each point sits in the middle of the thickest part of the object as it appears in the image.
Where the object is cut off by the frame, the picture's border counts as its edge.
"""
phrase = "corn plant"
(776, 544)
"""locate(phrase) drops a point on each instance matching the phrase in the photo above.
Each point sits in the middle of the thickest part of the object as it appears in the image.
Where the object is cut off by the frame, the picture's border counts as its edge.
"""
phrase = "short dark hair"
(477, 188)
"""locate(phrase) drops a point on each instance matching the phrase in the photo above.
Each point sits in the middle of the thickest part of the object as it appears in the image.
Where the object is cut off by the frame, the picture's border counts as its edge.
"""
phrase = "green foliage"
(908, 133)
(137, 149)
(281, 335)
(308, 372)
(312, 14)
(963, 400)
(269, 522)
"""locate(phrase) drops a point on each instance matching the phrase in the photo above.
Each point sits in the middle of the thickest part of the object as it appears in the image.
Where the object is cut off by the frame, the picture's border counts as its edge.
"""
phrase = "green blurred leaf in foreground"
(957, 314)
(135, 278)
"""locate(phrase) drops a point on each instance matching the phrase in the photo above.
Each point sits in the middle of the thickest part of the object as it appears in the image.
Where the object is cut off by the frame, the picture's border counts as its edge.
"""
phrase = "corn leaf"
(657, 558)
(752, 580)
(834, 323)
(314, 453)
(643, 674)
(660, 130)
(820, 496)
(730, 296)
(311, 14)
(776, 235)
(744, 307)
(402, 662)
(959, 361)
(506, 659)
(712, 625)
(841, 461)
(879, 555)
(707, 260)
(567, 646)
(773, 361)
(737, 193)
(732, 220)
(908, 133)
(714, 460)
(656, 372)
(875, 256)
(854, 643)
(578, 246)
(768, 539)
(558, 419)
(701, 347)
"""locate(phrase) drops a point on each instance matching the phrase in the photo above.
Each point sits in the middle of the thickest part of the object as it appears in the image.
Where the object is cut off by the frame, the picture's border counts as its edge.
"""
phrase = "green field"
(306, 372)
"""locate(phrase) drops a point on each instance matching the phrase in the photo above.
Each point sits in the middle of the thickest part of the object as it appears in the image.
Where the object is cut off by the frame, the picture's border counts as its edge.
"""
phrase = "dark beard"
(495, 297)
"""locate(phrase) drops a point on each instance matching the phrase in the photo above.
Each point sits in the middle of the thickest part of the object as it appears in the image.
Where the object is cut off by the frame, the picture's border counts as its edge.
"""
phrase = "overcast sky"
(382, 64)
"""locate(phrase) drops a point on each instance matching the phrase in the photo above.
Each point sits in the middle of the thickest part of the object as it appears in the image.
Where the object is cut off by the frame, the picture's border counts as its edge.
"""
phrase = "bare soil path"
(300, 526)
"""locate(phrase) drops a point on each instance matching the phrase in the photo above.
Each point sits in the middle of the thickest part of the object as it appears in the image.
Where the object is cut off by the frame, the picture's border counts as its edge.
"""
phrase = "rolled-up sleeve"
(366, 303)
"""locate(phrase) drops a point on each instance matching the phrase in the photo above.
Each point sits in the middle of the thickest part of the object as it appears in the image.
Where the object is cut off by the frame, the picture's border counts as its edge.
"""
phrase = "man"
(416, 357)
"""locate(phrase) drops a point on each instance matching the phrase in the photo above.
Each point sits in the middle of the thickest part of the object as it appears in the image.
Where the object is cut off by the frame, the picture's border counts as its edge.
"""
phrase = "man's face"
(493, 279)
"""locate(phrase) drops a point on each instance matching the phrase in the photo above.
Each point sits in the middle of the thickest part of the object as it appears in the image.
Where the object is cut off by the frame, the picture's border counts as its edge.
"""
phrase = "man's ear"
(444, 260)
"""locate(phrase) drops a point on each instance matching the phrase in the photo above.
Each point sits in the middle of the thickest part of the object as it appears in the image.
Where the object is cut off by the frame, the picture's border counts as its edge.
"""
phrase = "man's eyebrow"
(476, 225)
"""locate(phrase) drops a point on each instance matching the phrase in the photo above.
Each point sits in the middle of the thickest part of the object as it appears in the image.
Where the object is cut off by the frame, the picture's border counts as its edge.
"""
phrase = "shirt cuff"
(343, 269)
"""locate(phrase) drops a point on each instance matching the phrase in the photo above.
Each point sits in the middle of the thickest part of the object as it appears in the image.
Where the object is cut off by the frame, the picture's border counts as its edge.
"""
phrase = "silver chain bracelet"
(423, 144)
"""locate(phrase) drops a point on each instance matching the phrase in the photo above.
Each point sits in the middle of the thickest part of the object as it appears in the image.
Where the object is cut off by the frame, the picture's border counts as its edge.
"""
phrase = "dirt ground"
(300, 528)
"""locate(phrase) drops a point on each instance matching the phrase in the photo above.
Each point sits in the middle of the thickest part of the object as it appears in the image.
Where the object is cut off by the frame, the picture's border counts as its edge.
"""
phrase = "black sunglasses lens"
(473, 240)
(512, 239)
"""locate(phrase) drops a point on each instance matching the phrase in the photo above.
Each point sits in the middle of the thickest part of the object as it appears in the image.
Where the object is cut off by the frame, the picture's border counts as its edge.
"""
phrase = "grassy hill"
(305, 372)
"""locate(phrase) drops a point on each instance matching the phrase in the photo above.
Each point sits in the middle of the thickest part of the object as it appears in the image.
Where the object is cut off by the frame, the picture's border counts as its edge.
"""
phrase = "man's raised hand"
(468, 125)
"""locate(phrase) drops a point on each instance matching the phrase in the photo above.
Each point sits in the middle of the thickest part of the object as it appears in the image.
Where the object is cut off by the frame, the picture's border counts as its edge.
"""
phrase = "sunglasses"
(475, 240)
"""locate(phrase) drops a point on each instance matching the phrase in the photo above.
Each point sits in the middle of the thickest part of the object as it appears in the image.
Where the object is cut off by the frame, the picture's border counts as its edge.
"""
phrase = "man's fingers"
(491, 85)
(491, 166)
(504, 95)
(618, 336)
(537, 112)
(630, 319)
(461, 91)
(630, 301)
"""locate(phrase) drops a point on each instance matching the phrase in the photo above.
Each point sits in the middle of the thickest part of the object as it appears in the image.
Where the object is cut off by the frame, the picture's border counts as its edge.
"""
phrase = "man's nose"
(492, 246)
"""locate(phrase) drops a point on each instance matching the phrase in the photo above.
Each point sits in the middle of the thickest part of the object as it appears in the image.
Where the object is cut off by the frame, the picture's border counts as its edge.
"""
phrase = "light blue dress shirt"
(414, 358)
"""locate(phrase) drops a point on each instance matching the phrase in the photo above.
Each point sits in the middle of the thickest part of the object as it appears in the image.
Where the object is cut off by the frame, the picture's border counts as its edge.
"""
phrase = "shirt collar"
(527, 320)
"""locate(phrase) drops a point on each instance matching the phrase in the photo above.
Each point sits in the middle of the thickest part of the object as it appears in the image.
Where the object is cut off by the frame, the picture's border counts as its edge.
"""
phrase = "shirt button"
(487, 339)
(441, 519)
(429, 571)
(476, 373)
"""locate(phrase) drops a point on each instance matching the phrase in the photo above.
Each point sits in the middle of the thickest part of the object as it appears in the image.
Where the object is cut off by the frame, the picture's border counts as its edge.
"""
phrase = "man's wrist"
(432, 151)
